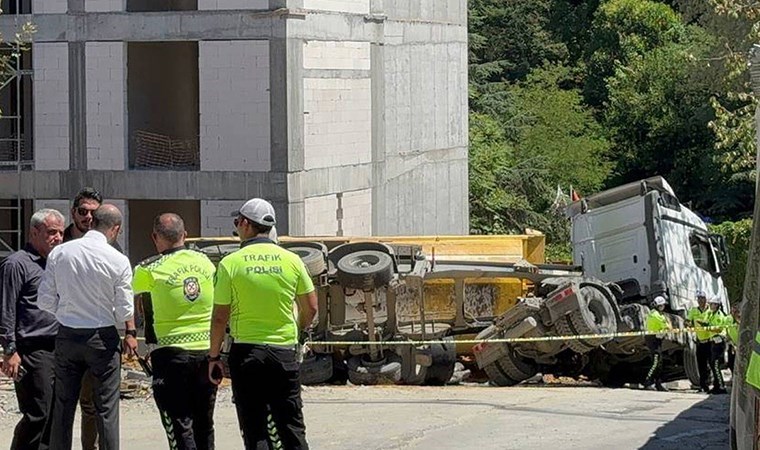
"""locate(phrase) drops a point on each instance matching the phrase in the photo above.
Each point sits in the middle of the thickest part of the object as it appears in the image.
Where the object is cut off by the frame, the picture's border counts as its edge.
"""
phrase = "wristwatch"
(132, 333)
(214, 358)
(9, 349)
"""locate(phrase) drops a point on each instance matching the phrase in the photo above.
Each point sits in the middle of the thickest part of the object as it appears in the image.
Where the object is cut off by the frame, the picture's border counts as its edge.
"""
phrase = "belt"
(187, 338)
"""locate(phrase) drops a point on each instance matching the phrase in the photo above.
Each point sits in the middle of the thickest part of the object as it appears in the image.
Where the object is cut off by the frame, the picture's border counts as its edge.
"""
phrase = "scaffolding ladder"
(12, 229)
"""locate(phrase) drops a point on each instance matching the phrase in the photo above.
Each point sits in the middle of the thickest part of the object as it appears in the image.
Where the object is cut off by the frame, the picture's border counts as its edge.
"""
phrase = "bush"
(737, 236)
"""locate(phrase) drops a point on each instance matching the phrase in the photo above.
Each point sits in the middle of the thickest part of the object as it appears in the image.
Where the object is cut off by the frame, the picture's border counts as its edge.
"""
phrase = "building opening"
(141, 215)
(161, 5)
(163, 105)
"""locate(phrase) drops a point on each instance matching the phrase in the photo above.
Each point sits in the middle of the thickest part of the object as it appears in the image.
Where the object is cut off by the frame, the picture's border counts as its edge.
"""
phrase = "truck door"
(692, 265)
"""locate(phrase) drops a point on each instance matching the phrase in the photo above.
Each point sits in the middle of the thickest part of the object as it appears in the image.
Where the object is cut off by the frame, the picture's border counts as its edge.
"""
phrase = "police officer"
(656, 323)
(180, 283)
(699, 318)
(732, 333)
(752, 376)
(255, 290)
(716, 318)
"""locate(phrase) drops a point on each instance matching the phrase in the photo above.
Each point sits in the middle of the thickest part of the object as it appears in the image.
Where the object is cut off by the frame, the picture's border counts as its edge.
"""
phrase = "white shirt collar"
(97, 235)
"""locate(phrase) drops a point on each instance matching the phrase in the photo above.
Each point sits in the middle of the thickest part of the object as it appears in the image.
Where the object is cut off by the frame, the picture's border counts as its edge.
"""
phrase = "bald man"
(87, 285)
(181, 287)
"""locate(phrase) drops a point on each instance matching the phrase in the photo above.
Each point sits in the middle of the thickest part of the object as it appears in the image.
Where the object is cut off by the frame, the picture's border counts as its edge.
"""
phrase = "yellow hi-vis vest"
(753, 370)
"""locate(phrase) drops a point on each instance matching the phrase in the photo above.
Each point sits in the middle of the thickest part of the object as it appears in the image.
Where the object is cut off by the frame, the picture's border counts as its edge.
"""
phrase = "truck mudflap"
(488, 352)
(562, 301)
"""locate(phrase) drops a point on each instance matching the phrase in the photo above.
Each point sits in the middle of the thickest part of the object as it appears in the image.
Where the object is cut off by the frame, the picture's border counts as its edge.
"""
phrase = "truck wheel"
(690, 365)
(312, 258)
(613, 378)
(444, 358)
(361, 371)
(593, 316)
(510, 369)
(340, 371)
(316, 369)
(367, 269)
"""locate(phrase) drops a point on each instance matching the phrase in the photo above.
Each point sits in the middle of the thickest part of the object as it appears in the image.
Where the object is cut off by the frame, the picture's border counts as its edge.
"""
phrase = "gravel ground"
(469, 416)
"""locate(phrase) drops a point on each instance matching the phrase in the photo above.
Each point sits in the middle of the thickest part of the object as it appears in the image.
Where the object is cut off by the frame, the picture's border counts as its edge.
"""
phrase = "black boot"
(660, 387)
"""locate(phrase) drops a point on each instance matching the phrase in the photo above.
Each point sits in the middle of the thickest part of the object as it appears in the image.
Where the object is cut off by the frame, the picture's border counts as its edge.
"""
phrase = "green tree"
(658, 115)
(560, 131)
(556, 141)
(735, 25)
(508, 38)
(623, 30)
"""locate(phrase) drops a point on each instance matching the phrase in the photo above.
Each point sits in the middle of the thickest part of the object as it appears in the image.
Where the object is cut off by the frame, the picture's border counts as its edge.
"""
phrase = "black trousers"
(716, 359)
(185, 397)
(655, 350)
(89, 424)
(268, 397)
(704, 351)
(76, 351)
(34, 391)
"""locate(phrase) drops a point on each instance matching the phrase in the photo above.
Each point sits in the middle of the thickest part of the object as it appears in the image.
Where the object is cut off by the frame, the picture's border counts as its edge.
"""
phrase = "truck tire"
(316, 369)
(366, 270)
(690, 365)
(312, 258)
(340, 371)
(615, 377)
(444, 359)
(361, 371)
(594, 315)
(510, 370)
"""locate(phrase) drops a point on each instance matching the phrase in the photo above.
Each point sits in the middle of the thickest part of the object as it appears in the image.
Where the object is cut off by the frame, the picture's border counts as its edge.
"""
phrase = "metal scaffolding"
(14, 154)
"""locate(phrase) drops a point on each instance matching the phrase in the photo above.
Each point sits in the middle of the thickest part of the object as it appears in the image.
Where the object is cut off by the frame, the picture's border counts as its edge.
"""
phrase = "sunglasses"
(84, 211)
(238, 220)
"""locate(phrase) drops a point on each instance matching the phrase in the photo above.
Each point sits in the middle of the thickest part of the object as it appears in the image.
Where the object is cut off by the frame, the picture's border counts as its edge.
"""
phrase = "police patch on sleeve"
(192, 288)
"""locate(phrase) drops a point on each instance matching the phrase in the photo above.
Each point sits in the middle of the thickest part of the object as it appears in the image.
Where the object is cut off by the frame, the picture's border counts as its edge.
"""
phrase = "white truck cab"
(642, 238)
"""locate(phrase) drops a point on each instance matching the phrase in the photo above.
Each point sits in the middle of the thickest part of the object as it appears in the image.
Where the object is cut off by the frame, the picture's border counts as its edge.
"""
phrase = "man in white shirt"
(87, 286)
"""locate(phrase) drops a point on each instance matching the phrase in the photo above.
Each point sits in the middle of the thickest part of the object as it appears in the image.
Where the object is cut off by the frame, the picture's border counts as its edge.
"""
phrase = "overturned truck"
(630, 244)
(380, 298)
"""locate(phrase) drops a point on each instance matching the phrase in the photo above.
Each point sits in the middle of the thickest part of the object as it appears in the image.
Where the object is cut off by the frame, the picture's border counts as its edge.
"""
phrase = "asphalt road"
(472, 416)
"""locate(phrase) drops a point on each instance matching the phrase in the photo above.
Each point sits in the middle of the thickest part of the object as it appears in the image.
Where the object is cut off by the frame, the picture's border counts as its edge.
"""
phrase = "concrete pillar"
(51, 106)
(232, 4)
(348, 6)
(106, 105)
(105, 5)
(234, 106)
(216, 219)
(49, 6)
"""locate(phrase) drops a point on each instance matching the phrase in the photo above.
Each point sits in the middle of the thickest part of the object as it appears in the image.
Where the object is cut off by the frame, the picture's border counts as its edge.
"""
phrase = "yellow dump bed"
(497, 248)
(456, 302)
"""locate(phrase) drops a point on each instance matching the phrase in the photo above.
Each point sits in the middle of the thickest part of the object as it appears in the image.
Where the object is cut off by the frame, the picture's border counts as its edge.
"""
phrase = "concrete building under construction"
(349, 115)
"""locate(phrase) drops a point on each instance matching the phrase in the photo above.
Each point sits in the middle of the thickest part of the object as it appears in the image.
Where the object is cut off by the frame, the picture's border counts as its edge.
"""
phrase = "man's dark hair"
(259, 228)
(89, 194)
(106, 217)
(169, 226)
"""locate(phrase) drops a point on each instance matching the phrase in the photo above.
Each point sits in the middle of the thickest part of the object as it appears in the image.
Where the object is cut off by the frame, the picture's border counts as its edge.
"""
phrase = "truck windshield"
(702, 252)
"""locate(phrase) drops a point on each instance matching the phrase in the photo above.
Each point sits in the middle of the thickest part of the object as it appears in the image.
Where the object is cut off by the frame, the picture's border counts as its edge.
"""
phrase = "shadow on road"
(703, 426)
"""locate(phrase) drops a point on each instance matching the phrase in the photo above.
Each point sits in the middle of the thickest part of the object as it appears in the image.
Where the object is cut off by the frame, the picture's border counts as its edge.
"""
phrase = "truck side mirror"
(721, 250)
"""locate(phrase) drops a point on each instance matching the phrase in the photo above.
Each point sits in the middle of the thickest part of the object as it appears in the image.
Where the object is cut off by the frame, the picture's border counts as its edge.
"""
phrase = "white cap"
(660, 300)
(714, 301)
(258, 210)
(701, 293)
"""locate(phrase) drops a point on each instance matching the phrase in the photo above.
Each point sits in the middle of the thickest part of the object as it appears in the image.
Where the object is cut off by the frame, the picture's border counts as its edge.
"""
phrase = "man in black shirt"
(27, 334)
(85, 203)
